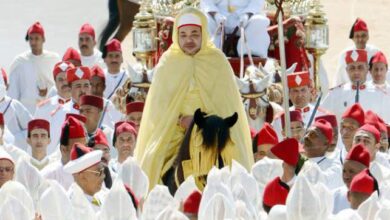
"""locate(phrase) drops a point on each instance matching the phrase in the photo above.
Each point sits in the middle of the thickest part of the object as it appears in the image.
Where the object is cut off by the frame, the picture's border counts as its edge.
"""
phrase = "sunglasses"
(6, 169)
(98, 173)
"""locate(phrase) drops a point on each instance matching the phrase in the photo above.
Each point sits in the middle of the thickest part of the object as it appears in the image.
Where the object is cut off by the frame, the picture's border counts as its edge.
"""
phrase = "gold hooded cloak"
(181, 84)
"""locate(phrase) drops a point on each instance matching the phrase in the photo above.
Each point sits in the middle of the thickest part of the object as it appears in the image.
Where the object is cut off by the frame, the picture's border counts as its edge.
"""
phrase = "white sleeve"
(254, 6)
(208, 6)
(13, 83)
(23, 115)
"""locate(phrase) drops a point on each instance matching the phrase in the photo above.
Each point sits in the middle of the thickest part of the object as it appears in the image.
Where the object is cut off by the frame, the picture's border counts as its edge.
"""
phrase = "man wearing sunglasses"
(88, 172)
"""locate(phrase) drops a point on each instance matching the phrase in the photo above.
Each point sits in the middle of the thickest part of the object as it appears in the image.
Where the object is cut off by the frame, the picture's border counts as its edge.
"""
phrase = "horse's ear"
(230, 121)
(198, 118)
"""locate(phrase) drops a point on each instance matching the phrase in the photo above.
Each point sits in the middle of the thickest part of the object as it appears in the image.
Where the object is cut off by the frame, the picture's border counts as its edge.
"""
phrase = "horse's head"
(254, 85)
(215, 130)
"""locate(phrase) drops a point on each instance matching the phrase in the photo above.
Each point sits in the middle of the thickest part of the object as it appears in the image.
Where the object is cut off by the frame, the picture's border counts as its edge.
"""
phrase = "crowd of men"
(66, 152)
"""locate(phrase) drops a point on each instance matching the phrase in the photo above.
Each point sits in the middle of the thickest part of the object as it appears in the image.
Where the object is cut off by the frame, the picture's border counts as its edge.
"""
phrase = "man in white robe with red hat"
(38, 138)
(357, 159)
(90, 56)
(88, 172)
(317, 140)
(72, 131)
(359, 35)
(47, 108)
(114, 74)
(343, 96)
(30, 72)
(299, 87)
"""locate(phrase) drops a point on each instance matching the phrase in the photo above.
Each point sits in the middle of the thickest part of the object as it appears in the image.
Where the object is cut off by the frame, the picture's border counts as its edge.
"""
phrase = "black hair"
(64, 140)
(370, 64)
(29, 134)
(104, 52)
(351, 32)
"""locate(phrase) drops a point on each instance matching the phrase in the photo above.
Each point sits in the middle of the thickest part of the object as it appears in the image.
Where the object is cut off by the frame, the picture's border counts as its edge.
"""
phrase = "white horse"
(253, 88)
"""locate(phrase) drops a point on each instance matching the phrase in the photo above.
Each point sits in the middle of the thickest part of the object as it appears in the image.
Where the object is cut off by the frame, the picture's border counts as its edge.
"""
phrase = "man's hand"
(185, 121)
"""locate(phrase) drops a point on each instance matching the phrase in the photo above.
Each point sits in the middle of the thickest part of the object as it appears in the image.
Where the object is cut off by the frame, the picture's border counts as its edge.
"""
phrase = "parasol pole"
(284, 76)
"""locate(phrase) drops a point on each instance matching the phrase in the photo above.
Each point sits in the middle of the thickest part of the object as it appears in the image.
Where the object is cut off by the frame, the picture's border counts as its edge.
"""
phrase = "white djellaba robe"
(16, 117)
(55, 171)
(341, 75)
(114, 82)
(47, 108)
(255, 29)
(95, 58)
(277, 123)
(40, 164)
(342, 97)
(331, 171)
(340, 199)
(29, 72)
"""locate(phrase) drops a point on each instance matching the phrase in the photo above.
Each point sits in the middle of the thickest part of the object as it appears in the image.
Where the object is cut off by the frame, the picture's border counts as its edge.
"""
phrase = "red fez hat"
(294, 116)
(124, 126)
(287, 150)
(192, 202)
(78, 73)
(298, 79)
(373, 119)
(36, 28)
(76, 129)
(72, 54)
(100, 138)
(60, 67)
(38, 123)
(87, 29)
(96, 70)
(91, 100)
(329, 118)
(275, 193)
(355, 112)
(1, 119)
(363, 182)
(357, 55)
(134, 107)
(4, 75)
(372, 130)
(81, 158)
(358, 25)
(267, 135)
(359, 154)
(79, 117)
(326, 128)
(113, 45)
(378, 57)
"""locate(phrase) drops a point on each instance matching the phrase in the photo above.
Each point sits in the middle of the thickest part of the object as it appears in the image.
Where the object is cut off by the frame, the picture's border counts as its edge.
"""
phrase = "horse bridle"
(252, 96)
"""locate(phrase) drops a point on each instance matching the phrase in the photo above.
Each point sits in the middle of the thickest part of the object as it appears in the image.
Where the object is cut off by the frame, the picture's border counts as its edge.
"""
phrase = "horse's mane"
(215, 131)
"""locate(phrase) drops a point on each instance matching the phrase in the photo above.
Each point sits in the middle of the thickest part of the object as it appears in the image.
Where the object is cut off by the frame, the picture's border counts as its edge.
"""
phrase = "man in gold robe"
(191, 74)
